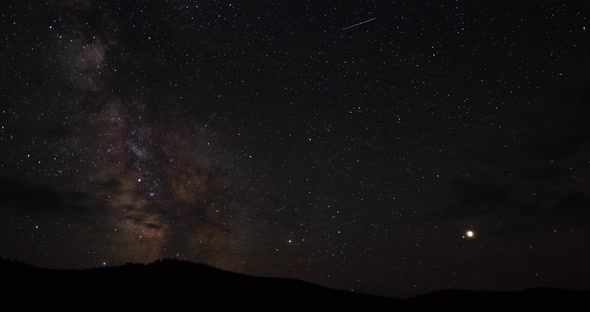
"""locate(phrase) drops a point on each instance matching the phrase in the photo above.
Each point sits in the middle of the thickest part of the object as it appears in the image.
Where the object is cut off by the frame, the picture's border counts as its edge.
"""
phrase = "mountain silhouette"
(170, 285)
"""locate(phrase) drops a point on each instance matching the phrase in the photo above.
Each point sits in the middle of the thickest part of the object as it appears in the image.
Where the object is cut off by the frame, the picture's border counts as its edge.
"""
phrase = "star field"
(442, 144)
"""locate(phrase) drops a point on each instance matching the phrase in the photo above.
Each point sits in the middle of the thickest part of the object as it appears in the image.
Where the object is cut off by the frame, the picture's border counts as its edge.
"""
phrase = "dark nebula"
(270, 138)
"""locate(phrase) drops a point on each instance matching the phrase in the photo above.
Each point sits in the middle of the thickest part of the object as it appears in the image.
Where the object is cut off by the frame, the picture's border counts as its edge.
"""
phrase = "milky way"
(260, 137)
(151, 184)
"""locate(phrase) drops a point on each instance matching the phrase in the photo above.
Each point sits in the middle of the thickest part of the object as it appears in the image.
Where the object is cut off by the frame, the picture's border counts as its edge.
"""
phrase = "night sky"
(439, 144)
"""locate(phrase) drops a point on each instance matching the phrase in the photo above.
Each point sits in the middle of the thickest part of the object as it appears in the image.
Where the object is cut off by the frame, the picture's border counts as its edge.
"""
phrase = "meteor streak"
(351, 26)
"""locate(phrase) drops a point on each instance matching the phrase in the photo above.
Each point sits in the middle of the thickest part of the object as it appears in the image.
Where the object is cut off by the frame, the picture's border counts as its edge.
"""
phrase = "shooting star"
(208, 121)
(281, 208)
(333, 156)
(351, 26)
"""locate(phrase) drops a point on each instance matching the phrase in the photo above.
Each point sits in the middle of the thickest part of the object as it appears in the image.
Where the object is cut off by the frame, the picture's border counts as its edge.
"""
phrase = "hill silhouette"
(182, 285)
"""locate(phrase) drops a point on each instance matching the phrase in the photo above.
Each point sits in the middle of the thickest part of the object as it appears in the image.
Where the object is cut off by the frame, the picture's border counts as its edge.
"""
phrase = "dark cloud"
(477, 200)
(153, 226)
(111, 185)
(539, 171)
(558, 129)
(136, 218)
(142, 219)
(19, 197)
(468, 192)
(495, 201)
(573, 204)
(528, 185)
(552, 127)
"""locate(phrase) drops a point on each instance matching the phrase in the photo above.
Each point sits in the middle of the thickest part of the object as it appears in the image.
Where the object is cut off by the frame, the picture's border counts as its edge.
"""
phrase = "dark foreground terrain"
(171, 285)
